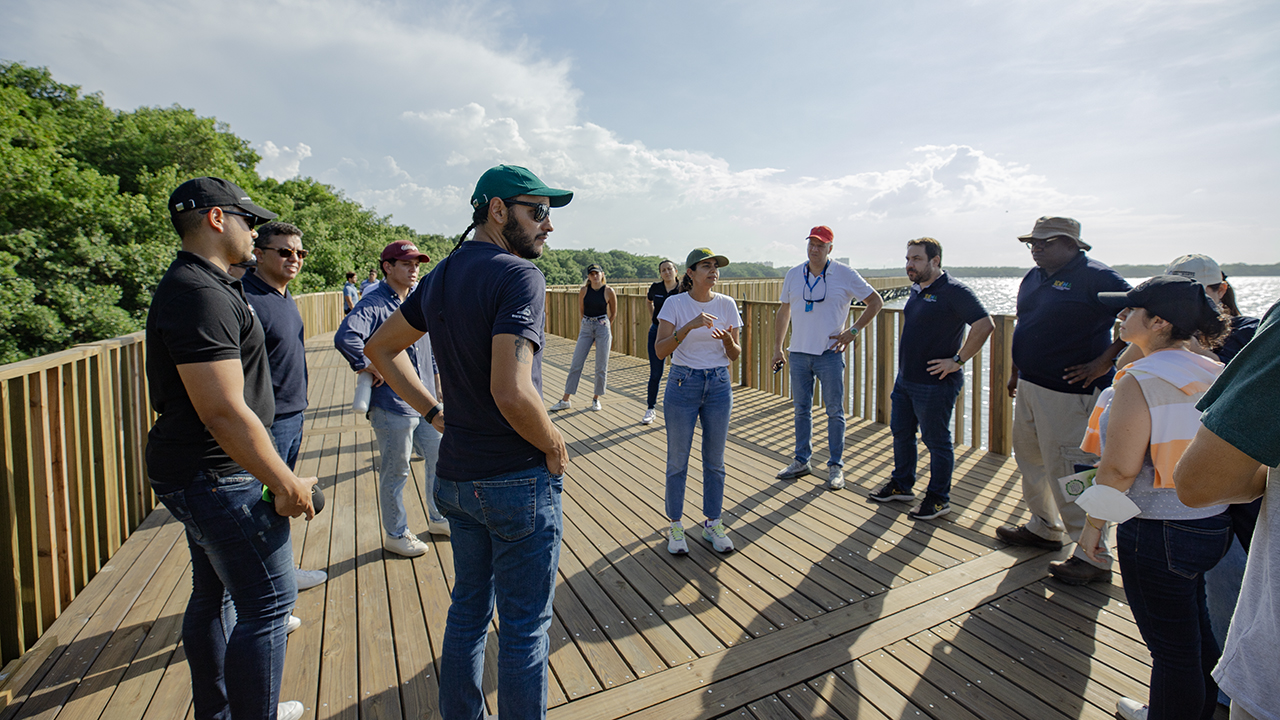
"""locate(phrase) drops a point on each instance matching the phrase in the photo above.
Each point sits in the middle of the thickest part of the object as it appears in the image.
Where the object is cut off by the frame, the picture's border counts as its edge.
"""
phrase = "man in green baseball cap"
(508, 181)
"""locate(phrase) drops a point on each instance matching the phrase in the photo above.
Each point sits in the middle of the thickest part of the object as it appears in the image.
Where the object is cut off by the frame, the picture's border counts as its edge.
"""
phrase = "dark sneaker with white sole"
(932, 507)
(890, 492)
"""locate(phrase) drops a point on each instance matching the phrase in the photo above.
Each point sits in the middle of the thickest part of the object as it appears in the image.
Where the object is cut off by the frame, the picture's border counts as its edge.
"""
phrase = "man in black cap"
(1063, 359)
(210, 453)
(502, 461)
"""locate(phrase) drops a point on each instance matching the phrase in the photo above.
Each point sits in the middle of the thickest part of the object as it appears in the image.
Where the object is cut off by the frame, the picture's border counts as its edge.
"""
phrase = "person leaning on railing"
(597, 306)
(1143, 424)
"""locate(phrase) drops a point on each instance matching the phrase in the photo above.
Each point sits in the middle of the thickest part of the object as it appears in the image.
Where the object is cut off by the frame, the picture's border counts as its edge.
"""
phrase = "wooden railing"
(984, 412)
(73, 484)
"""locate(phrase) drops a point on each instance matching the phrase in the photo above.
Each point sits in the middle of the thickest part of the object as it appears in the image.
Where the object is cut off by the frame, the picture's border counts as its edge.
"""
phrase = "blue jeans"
(286, 431)
(593, 330)
(506, 546)
(828, 368)
(656, 366)
(398, 435)
(693, 394)
(1163, 563)
(240, 548)
(927, 406)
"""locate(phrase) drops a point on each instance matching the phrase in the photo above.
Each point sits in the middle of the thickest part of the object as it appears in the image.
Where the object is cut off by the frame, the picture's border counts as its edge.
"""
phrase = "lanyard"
(821, 277)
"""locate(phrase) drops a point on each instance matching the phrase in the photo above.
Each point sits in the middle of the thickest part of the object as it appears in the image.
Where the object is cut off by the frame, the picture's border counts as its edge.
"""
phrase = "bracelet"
(1095, 527)
(433, 412)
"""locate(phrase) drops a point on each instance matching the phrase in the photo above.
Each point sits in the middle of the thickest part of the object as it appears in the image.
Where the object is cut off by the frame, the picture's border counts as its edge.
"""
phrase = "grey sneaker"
(562, 405)
(648, 417)
(835, 478)
(438, 527)
(794, 470)
(715, 533)
(595, 405)
(289, 710)
(308, 579)
(890, 492)
(407, 545)
(676, 544)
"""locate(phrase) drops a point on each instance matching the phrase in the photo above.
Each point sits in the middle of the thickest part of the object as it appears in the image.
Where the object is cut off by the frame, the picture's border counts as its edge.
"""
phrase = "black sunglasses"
(541, 211)
(287, 252)
(250, 218)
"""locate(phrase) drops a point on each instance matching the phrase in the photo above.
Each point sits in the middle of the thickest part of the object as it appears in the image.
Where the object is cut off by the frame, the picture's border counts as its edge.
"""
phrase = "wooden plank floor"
(832, 606)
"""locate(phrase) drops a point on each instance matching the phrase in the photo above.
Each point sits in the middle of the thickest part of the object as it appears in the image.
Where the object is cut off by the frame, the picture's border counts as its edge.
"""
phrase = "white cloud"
(281, 162)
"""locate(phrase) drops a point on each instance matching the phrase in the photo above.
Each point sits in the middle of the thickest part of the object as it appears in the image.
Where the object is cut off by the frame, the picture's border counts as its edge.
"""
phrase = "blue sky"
(734, 125)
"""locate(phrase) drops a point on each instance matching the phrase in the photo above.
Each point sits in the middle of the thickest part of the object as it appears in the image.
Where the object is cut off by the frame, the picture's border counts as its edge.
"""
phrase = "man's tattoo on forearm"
(524, 352)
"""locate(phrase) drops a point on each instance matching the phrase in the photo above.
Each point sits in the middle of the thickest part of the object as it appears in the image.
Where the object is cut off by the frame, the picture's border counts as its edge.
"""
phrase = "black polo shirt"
(282, 324)
(933, 327)
(658, 294)
(199, 314)
(1061, 323)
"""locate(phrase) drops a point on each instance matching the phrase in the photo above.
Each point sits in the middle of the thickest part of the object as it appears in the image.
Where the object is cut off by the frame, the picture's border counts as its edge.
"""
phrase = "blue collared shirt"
(360, 324)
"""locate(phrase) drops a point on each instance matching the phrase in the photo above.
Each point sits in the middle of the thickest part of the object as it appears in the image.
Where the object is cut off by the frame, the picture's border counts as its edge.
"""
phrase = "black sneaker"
(932, 507)
(890, 492)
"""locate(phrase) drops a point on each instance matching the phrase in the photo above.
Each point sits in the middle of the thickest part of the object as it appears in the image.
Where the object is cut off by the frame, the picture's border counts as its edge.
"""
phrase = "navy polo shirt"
(474, 294)
(933, 327)
(1061, 323)
(282, 324)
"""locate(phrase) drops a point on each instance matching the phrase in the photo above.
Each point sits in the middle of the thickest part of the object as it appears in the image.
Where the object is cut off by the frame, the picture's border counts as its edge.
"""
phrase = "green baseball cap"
(701, 254)
(508, 181)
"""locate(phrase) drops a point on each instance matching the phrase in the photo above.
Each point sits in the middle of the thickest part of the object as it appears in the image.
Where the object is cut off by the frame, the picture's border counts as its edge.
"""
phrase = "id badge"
(808, 307)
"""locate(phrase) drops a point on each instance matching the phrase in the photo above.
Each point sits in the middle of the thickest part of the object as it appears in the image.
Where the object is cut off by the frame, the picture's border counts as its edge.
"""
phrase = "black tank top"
(594, 304)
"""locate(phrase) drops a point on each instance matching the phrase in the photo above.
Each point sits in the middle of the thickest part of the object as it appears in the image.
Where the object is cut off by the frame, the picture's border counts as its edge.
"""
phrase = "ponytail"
(686, 283)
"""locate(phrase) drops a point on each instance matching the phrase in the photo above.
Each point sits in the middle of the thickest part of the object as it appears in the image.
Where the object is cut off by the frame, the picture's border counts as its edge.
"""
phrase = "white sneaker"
(289, 710)
(308, 579)
(793, 471)
(648, 417)
(408, 545)
(1131, 709)
(715, 533)
(438, 527)
(293, 624)
(595, 405)
(676, 544)
(562, 405)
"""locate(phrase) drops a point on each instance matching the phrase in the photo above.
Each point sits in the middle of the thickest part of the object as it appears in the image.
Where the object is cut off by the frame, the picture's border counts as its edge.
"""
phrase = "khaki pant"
(1047, 429)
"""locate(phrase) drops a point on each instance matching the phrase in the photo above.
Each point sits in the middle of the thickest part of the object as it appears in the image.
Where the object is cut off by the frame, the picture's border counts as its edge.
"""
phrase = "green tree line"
(85, 232)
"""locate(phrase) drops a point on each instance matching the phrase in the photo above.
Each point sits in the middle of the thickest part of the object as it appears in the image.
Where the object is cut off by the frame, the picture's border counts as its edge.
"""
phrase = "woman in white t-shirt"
(698, 328)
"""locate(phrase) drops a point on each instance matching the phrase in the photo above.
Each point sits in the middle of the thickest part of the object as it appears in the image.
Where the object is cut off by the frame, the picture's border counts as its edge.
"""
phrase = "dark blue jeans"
(286, 431)
(927, 407)
(1163, 563)
(656, 365)
(240, 548)
(506, 533)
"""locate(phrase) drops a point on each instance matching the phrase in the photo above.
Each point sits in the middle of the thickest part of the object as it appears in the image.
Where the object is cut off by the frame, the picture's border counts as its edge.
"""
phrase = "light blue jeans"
(398, 435)
(828, 368)
(593, 330)
(506, 548)
(692, 395)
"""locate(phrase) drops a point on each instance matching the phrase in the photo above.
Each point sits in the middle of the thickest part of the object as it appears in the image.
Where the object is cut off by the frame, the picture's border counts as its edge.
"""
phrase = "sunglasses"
(287, 253)
(541, 211)
(250, 218)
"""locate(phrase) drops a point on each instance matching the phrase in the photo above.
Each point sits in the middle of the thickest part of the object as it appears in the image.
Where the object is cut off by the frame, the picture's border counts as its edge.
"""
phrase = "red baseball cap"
(401, 250)
(823, 233)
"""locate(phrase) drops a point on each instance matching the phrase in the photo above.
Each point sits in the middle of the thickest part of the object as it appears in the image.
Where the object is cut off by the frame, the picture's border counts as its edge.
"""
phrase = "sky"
(733, 125)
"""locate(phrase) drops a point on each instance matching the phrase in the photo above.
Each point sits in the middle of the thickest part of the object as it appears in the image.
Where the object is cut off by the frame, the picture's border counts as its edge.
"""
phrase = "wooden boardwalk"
(832, 606)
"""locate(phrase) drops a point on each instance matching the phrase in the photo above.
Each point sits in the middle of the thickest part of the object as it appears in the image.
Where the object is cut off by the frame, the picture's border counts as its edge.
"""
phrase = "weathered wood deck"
(832, 606)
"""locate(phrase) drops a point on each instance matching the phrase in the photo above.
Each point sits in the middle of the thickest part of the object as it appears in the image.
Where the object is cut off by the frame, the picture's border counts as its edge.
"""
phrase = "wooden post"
(1001, 405)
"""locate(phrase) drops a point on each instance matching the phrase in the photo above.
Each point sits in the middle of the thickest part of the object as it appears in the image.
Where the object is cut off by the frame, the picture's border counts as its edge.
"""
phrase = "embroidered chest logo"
(929, 297)
(1063, 285)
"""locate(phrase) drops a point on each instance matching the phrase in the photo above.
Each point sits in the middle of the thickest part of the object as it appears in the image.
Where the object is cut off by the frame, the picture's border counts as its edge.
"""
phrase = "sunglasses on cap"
(541, 211)
(250, 218)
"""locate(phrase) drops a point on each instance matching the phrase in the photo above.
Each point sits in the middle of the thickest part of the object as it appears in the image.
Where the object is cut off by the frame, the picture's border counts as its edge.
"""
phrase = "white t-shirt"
(699, 350)
(811, 331)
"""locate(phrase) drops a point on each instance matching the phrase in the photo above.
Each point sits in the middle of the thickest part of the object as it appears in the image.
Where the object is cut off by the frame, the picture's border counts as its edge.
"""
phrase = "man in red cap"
(400, 429)
(816, 296)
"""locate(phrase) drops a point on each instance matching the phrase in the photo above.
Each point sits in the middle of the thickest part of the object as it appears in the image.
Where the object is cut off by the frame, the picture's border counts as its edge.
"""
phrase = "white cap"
(1200, 268)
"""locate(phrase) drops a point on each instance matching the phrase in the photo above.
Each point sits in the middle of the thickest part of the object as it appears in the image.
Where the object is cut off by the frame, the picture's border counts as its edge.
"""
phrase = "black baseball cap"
(207, 192)
(1180, 300)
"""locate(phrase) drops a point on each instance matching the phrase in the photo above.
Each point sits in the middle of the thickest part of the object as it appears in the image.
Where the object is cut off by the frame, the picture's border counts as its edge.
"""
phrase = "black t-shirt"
(1061, 323)
(933, 327)
(474, 294)
(199, 314)
(282, 325)
(658, 294)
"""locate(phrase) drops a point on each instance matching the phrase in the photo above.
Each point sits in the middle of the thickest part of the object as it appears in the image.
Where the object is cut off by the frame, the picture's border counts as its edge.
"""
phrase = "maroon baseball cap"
(823, 233)
(401, 250)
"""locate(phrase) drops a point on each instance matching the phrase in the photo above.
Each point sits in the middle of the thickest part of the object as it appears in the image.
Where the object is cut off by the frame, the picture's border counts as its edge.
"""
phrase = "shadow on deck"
(832, 606)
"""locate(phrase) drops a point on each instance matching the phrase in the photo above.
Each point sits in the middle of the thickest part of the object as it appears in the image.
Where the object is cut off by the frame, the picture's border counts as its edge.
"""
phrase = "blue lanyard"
(822, 277)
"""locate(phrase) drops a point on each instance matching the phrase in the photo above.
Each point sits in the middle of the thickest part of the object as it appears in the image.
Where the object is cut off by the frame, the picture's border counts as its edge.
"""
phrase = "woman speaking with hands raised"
(699, 329)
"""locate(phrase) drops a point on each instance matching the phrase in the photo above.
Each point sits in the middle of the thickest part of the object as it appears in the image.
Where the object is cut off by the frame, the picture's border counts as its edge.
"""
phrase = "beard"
(522, 243)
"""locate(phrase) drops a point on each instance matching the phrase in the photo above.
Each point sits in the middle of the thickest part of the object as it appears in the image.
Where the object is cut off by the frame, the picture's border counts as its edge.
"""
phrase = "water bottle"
(364, 388)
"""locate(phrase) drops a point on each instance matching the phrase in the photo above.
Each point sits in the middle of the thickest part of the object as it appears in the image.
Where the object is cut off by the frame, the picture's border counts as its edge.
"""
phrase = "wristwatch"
(957, 359)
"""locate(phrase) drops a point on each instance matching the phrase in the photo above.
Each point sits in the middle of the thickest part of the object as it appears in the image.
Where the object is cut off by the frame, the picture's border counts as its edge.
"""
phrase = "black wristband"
(433, 412)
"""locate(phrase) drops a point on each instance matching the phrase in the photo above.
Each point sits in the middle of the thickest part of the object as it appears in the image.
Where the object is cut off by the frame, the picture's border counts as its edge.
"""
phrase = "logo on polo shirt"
(1063, 285)
(928, 297)
(525, 313)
